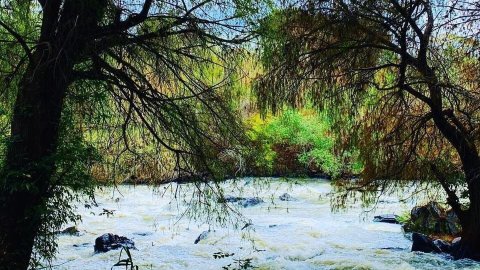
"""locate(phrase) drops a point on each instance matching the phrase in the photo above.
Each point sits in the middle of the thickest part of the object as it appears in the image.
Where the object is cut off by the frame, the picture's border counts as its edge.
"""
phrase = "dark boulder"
(432, 209)
(424, 243)
(111, 241)
(432, 219)
(388, 218)
(455, 243)
(444, 246)
(452, 223)
(457, 249)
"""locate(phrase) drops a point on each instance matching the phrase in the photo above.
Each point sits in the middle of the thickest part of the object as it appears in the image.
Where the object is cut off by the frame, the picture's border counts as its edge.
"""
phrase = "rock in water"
(230, 199)
(423, 243)
(442, 245)
(70, 231)
(433, 219)
(142, 233)
(388, 218)
(110, 241)
(452, 223)
(286, 197)
(456, 241)
(202, 236)
(245, 202)
(248, 202)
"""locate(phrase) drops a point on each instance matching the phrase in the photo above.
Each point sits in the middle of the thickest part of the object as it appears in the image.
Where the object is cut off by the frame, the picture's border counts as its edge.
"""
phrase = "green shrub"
(305, 133)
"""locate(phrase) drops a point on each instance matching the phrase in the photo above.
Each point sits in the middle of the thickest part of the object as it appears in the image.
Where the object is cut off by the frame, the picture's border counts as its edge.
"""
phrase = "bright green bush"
(306, 130)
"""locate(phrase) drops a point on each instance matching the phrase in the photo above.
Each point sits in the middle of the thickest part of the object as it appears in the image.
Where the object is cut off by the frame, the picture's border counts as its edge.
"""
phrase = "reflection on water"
(301, 233)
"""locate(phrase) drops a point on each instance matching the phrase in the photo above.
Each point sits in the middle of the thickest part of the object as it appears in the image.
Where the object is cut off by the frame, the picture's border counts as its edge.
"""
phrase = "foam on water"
(298, 234)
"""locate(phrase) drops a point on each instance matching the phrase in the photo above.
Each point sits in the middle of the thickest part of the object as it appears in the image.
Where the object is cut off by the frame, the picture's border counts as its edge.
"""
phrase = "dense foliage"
(298, 142)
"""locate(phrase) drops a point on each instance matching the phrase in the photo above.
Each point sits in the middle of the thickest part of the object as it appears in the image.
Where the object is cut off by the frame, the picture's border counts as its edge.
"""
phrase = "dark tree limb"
(452, 198)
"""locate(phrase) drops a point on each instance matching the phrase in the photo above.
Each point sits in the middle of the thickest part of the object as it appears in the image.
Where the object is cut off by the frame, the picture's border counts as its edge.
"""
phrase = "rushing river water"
(299, 234)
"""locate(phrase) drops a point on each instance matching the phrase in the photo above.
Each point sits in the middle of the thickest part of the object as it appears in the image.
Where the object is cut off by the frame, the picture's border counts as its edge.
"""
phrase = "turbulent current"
(300, 232)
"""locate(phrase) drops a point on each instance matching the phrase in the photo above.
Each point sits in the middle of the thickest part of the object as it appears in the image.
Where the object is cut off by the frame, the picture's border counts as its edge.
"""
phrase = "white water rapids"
(299, 234)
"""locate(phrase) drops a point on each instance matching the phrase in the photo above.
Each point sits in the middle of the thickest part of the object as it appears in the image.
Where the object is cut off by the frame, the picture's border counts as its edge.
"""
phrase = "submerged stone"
(70, 231)
(82, 245)
(248, 202)
(244, 202)
(142, 233)
(393, 248)
(286, 197)
(202, 236)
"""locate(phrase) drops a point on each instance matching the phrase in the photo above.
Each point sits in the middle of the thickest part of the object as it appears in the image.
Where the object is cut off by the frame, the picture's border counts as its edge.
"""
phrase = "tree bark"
(469, 246)
(470, 159)
(29, 164)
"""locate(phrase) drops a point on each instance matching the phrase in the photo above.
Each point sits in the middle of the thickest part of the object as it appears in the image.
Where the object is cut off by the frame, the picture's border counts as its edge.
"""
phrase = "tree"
(402, 83)
(145, 56)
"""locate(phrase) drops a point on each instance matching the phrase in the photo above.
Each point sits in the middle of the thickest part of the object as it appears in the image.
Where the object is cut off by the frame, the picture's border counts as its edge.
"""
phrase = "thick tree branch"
(452, 198)
(19, 38)
(131, 21)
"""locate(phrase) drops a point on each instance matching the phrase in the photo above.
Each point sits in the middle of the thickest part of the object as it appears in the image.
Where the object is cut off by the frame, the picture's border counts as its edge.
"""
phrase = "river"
(302, 233)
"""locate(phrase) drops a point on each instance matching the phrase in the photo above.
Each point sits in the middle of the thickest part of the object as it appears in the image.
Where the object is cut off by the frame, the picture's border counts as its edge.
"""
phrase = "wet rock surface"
(110, 241)
(456, 248)
(388, 218)
(82, 245)
(286, 197)
(433, 219)
(424, 243)
(444, 246)
(142, 233)
(70, 231)
(244, 202)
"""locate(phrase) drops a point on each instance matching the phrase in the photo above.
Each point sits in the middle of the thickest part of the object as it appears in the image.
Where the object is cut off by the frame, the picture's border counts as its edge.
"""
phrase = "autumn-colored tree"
(401, 79)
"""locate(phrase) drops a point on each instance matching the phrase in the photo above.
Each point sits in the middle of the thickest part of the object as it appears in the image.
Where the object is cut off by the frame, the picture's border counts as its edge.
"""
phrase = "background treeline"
(292, 142)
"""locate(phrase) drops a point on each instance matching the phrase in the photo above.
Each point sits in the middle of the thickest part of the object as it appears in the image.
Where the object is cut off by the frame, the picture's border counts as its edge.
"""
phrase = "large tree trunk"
(469, 246)
(29, 164)
(470, 158)
(26, 179)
